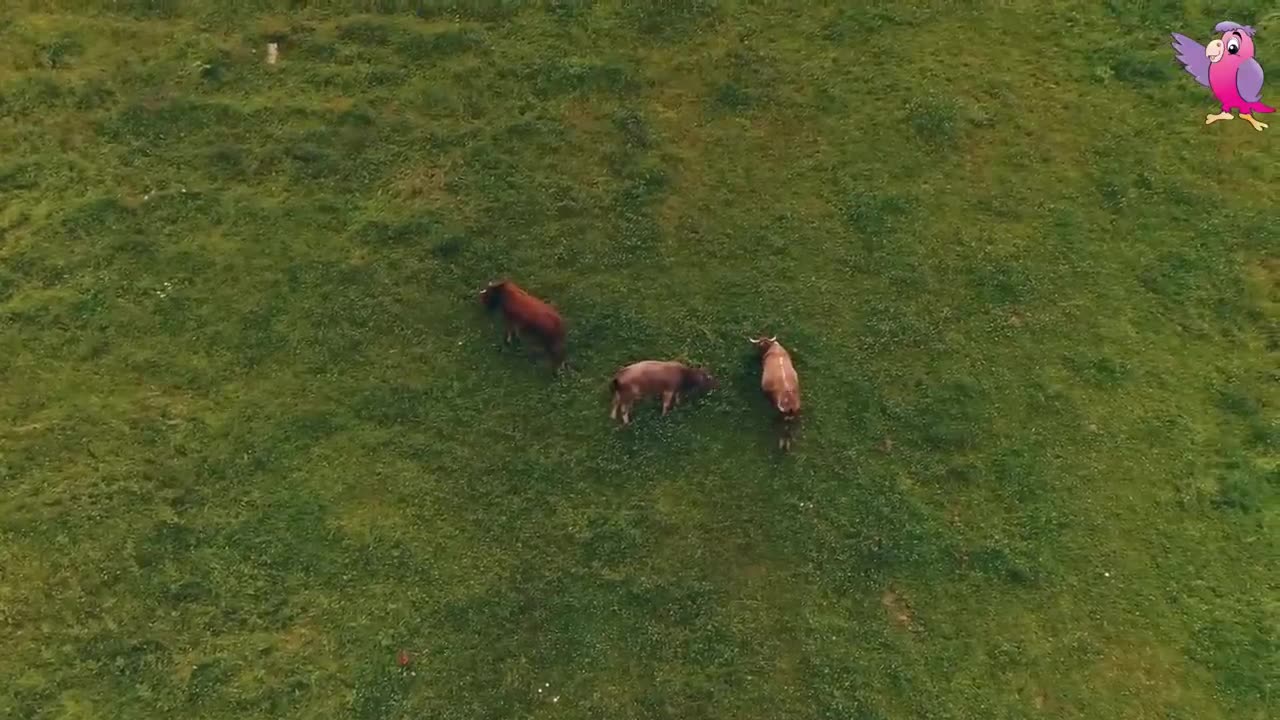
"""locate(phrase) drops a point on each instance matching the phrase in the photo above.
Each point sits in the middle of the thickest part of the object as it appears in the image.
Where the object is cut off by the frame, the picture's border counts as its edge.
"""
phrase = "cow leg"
(626, 411)
(788, 431)
(556, 350)
(667, 398)
(617, 405)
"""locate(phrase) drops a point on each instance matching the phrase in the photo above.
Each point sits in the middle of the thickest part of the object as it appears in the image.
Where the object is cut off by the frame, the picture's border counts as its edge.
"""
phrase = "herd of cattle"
(670, 380)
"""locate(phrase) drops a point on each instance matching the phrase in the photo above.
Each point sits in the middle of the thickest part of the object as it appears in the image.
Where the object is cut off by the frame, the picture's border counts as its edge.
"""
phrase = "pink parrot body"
(1224, 83)
(1227, 67)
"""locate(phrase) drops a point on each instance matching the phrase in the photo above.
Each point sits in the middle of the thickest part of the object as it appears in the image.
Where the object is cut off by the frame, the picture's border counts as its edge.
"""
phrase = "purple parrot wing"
(1249, 81)
(1191, 54)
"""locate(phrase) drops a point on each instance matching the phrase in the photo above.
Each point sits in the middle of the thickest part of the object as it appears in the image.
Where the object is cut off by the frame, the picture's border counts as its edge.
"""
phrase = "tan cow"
(780, 384)
(651, 378)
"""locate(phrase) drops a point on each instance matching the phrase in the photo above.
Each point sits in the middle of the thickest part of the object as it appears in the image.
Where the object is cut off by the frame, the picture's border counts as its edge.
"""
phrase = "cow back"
(531, 312)
(780, 381)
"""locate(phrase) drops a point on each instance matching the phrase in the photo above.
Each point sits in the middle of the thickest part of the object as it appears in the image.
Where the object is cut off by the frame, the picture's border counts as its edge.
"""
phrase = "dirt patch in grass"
(898, 608)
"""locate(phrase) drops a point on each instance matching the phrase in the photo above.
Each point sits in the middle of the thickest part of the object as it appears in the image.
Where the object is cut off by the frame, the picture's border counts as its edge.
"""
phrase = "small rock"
(273, 53)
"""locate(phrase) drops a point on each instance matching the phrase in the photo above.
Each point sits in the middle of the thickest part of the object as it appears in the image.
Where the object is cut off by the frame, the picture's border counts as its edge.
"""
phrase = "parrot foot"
(1210, 119)
(1256, 125)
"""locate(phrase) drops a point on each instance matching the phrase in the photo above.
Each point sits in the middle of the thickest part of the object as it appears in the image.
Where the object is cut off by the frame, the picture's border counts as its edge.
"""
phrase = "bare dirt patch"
(898, 608)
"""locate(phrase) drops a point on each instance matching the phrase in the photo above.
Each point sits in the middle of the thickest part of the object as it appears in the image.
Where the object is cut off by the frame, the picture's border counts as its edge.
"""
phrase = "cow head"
(698, 380)
(763, 343)
(492, 295)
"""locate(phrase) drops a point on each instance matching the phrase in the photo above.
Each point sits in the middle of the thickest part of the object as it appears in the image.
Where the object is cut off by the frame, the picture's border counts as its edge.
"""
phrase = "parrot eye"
(1233, 47)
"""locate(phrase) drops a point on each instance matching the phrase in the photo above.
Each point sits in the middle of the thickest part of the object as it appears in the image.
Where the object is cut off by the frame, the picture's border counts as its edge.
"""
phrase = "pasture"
(263, 454)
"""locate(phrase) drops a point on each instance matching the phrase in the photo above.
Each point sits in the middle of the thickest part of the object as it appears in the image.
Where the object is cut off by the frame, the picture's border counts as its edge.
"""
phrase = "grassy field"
(258, 438)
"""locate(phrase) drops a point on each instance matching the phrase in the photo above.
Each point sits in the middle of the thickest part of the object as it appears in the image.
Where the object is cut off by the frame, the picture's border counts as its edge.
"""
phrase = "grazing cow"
(526, 314)
(780, 384)
(667, 378)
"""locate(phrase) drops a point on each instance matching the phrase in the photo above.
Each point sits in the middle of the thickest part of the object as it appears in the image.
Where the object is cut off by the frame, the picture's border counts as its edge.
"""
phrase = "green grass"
(257, 435)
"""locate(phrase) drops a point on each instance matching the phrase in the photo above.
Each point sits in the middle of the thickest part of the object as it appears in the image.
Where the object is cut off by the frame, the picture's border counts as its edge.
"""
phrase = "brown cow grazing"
(526, 314)
(780, 384)
(667, 378)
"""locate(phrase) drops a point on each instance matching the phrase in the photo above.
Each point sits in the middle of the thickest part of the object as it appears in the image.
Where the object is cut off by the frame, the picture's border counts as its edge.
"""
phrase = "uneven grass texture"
(258, 438)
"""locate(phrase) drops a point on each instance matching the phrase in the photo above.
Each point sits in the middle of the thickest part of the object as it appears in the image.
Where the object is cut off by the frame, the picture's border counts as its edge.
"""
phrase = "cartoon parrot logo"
(1227, 67)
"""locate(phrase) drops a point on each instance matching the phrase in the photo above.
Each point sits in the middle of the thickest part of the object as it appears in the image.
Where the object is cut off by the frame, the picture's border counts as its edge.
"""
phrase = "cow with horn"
(780, 384)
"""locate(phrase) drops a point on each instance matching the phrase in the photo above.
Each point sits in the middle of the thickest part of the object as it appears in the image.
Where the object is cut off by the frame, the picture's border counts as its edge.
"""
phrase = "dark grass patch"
(950, 417)
(419, 47)
(1002, 283)
(1193, 284)
(366, 32)
(856, 554)
(18, 176)
(169, 121)
(1138, 68)
(733, 96)
(747, 84)
(1239, 647)
(1000, 564)
(934, 120)
(33, 93)
(60, 53)
(635, 130)
(570, 9)
(314, 49)
(864, 22)
(393, 404)
(642, 184)
(556, 77)
(1239, 402)
(1157, 14)
(228, 161)
(1246, 487)
(673, 20)
(488, 11)
(147, 9)
(876, 215)
(216, 67)
(1100, 371)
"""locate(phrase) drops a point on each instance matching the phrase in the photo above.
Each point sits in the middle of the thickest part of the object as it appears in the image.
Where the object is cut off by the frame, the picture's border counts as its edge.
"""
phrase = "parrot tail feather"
(1260, 108)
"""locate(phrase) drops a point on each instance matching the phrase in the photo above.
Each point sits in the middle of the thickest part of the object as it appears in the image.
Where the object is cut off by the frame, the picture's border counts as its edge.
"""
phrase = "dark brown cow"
(666, 378)
(780, 384)
(526, 314)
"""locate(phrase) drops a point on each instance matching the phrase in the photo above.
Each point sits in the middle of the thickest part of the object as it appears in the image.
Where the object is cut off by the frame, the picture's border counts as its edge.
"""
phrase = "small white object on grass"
(273, 53)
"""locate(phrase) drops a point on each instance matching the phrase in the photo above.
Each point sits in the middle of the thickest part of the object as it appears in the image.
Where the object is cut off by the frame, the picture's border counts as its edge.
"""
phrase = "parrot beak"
(1213, 51)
